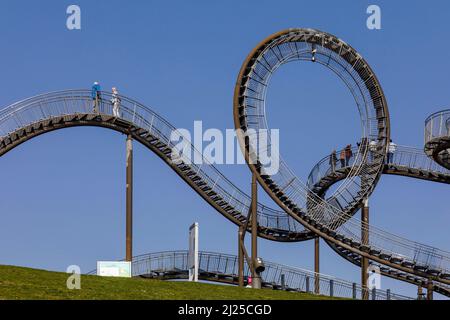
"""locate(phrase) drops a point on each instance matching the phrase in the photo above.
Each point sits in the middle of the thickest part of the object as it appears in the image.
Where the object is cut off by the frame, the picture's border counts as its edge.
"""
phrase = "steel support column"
(240, 256)
(430, 289)
(256, 277)
(316, 265)
(365, 241)
(129, 200)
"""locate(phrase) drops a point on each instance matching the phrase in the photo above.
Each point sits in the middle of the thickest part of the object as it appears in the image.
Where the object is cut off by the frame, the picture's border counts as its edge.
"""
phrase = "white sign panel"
(193, 253)
(114, 269)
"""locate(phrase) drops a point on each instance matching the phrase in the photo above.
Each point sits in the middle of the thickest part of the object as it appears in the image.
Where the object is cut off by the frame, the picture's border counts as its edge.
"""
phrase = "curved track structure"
(437, 137)
(32, 117)
(331, 218)
(48, 112)
(306, 205)
(223, 268)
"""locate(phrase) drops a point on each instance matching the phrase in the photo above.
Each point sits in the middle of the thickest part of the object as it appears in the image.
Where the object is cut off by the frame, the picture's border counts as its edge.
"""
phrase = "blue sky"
(63, 197)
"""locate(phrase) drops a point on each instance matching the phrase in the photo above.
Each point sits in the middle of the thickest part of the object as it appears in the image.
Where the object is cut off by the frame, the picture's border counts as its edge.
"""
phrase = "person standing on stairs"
(372, 150)
(96, 96)
(342, 158)
(333, 160)
(391, 150)
(348, 154)
(115, 101)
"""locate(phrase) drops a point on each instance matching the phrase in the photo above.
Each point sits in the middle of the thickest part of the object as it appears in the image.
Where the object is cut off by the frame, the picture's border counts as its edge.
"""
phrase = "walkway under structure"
(223, 268)
(306, 209)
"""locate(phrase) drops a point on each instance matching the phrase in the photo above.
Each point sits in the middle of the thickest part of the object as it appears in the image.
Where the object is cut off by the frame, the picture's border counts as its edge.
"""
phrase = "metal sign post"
(193, 252)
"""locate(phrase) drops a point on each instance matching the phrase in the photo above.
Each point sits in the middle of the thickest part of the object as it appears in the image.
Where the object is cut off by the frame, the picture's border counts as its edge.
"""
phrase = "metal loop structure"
(344, 61)
(223, 268)
(437, 137)
(331, 218)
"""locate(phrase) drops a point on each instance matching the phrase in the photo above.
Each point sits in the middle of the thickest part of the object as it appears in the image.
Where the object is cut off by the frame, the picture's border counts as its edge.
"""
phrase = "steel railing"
(403, 156)
(437, 125)
(222, 266)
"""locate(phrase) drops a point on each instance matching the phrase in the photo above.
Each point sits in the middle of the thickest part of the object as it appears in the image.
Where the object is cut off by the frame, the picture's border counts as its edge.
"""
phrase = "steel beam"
(316, 266)
(256, 277)
(430, 289)
(241, 256)
(365, 241)
(129, 199)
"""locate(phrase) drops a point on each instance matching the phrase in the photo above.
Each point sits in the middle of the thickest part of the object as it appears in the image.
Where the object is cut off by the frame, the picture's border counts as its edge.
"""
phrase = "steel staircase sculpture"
(304, 213)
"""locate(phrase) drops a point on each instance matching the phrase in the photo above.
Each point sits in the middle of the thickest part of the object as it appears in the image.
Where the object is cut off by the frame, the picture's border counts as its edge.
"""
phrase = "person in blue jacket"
(96, 96)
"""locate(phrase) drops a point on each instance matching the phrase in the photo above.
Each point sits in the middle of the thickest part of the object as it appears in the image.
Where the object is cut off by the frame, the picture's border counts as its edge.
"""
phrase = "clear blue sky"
(62, 194)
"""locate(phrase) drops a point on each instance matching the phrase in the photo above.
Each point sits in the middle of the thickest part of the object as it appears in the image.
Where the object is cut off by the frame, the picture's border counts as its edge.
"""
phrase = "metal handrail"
(437, 125)
(275, 275)
(404, 156)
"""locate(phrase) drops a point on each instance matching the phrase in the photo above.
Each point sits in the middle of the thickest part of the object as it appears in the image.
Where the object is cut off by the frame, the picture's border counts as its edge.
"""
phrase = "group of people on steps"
(346, 155)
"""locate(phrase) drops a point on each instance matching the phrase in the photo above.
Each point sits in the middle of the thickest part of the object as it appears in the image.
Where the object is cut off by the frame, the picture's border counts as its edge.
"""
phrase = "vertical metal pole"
(316, 266)
(240, 257)
(331, 288)
(283, 282)
(354, 290)
(365, 241)
(192, 259)
(307, 284)
(388, 294)
(129, 200)
(430, 289)
(256, 278)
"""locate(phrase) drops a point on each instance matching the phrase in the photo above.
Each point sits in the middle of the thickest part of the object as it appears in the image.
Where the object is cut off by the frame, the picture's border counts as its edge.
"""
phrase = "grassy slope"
(25, 283)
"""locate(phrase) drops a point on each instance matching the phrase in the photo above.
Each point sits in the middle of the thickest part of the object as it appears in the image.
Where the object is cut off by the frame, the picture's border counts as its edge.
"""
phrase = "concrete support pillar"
(129, 200)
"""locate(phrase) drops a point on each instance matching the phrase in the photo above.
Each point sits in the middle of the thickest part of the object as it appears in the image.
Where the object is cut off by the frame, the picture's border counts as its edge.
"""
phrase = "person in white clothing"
(391, 150)
(372, 149)
(115, 101)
